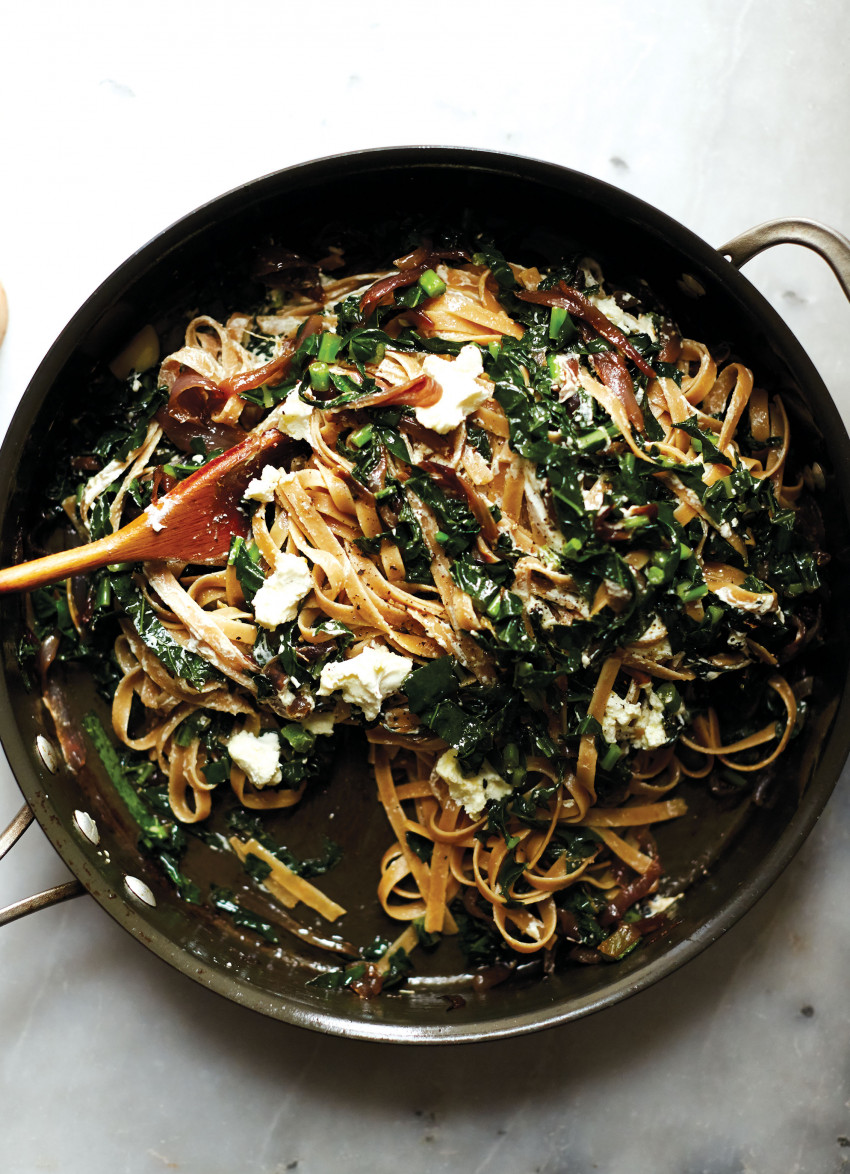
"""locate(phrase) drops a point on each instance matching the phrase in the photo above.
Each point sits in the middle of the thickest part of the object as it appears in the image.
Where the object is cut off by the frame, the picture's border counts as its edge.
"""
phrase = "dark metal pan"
(724, 858)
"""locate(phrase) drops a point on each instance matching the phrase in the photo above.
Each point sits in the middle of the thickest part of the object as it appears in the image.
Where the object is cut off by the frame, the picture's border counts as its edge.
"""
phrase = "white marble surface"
(114, 120)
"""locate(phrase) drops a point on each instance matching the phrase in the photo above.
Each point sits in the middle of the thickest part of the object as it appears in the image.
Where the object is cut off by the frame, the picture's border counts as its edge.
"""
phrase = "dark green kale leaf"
(100, 524)
(257, 868)
(399, 967)
(222, 899)
(366, 344)
(409, 340)
(487, 254)
(586, 909)
(458, 527)
(337, 980)
(510, 869)
(161, 838)
(480, 941)
(154, 829)
(178, 660)
(381, 435)
(485, 584)
(668, 371)
(479, 440)
(94, 648)
(141, 397)
(430, 683)
(704, 441)
(421, 845)
(426, 939)
(408, 537)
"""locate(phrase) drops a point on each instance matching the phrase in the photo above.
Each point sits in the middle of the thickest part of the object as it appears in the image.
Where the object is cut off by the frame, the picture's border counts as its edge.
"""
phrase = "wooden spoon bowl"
(194, 522)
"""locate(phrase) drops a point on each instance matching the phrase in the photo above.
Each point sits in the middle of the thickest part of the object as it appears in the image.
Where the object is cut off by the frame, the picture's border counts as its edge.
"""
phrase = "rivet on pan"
(47, 753)
(87, 826)
(140, 890)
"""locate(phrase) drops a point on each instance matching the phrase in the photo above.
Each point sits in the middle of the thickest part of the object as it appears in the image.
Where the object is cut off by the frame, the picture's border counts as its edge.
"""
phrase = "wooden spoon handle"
(130, 543)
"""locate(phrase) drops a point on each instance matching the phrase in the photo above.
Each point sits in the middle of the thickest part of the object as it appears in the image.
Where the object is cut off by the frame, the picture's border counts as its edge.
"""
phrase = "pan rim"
(836, 742)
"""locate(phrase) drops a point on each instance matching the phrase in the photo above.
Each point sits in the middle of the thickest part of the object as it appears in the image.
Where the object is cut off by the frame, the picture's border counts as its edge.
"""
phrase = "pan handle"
(52, 896)
(831, 245)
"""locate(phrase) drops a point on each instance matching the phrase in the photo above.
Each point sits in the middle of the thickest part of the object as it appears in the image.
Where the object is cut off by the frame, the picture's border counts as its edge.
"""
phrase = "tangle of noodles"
(541, 548)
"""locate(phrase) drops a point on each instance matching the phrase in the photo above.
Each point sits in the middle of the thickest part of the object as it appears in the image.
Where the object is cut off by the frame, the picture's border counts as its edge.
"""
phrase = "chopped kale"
(222, 899)
(245, 560)
(177, 659)
(457, 523)
(430, 683)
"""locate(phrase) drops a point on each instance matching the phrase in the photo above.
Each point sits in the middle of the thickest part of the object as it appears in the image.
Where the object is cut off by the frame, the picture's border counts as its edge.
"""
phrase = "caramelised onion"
(370, 983)
(187, 416)
(612, 370)
(47, 653)
(282, 269)
(421, 392)
(195, 400)
(671, 342)
(271, 373)
(413, 260)
(490, 976)
(576, 303)
(387, 285)
(427, 255)
(585, 955)
(161, 482)
(636, 891)
(807, 624)
(411, 267)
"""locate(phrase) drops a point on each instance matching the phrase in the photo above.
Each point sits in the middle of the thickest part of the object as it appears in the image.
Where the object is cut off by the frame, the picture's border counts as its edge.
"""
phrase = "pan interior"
(723, 855)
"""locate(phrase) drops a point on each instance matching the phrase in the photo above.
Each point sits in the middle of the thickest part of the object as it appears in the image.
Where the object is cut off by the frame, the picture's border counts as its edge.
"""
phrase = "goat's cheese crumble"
(639, 722)
(294, 416)
(470, 791)
(258, 755)
(460, 395)
(367, 678)
(262, 488)
(279, 598)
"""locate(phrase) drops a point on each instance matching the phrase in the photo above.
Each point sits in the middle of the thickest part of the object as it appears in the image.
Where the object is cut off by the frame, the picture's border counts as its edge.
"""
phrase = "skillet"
(725, 858)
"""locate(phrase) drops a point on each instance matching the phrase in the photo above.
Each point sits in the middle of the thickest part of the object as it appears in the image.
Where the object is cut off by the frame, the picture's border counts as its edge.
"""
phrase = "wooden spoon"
(194, 522)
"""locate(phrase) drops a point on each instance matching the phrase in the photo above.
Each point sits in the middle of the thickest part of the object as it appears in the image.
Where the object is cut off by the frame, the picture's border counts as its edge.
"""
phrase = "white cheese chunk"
(460, 391)
(639, 722)
(367, 678)
(471, 791)
(258, 755)
(278, 600)
(294, 417)
(320, 724)
(262, 488)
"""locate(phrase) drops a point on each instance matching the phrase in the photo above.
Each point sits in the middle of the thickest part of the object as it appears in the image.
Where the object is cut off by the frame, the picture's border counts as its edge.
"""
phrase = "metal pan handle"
(829, 244)
(52, 896)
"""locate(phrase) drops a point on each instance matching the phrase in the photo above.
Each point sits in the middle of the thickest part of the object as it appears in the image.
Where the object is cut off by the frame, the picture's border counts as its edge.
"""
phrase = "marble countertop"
(118, 119)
